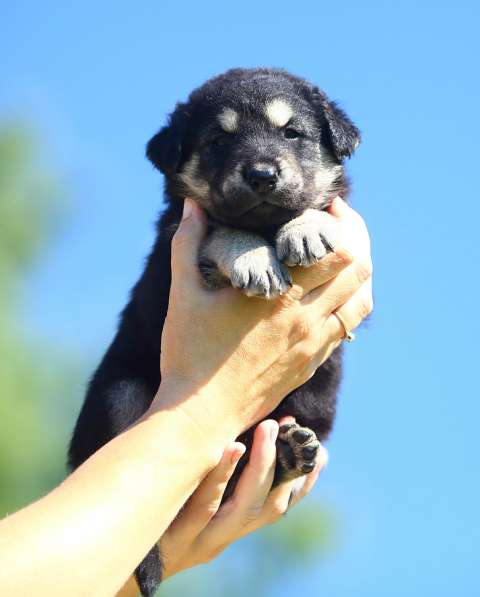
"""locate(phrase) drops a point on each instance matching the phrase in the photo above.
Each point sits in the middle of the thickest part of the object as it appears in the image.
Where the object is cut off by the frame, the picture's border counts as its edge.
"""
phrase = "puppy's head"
(255, 147)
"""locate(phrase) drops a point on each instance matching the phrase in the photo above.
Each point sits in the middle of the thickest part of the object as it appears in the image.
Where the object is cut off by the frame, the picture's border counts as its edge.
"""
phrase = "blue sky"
(98, 79)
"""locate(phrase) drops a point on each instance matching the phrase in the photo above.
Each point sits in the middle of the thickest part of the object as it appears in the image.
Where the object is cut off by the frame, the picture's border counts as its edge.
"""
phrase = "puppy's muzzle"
(262, 180)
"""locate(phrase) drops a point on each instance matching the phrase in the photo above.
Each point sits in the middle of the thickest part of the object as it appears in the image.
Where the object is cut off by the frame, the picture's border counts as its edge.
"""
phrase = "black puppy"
(261, 151)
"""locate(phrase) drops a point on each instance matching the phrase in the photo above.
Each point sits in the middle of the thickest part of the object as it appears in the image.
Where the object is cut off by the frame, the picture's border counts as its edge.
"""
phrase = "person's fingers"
(205, 502)
(324, 339)
(231, 523)
(358, 308)
(286, 420)
(288, 494)
(275, 505)
(338, 291)
(353, 232)
(252, 489)
(277, 500)
(306, 279)
(349, 294)
(353, 243)
(351, 314)
(339, 207)
(185, 244)
(256, 480)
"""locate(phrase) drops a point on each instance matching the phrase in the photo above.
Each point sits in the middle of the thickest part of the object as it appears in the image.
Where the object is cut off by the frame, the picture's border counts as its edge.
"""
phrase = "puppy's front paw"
(259, 273)
(304, 241)
(297, 449)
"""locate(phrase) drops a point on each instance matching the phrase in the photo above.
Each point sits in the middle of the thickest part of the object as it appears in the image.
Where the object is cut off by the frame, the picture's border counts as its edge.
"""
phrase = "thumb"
(338, 207)
(186, 242)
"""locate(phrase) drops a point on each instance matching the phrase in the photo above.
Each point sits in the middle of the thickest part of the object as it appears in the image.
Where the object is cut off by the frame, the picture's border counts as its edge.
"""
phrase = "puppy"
(262, 152)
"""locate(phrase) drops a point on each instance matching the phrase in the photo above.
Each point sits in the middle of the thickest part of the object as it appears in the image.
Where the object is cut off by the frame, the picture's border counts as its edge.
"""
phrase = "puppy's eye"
(291, 133)
(220, 140)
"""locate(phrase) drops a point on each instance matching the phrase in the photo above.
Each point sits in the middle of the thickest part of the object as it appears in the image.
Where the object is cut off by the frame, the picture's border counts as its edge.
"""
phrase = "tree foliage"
(35, 382)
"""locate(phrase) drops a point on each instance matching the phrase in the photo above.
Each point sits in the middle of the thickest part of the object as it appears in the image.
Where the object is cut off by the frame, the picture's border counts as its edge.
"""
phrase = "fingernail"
(343, 256)
(238, 453)
(187, 209)
(274, 433)
(323, 456)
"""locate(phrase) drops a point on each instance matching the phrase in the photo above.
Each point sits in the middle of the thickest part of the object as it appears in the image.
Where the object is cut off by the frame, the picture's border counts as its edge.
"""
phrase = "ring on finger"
(349, 336)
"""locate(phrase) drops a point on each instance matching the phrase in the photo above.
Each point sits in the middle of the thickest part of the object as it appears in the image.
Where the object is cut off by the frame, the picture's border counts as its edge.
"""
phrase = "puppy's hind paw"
(297, 451)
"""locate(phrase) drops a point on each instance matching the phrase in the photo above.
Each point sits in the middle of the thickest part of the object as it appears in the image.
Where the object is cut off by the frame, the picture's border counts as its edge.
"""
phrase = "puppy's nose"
(262, 180)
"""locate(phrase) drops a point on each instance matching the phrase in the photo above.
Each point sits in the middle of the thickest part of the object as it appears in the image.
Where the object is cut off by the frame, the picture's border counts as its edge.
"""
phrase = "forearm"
(103, 519)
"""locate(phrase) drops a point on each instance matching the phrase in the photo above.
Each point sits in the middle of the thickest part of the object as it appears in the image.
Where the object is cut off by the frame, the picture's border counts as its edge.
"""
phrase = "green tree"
(35, 383)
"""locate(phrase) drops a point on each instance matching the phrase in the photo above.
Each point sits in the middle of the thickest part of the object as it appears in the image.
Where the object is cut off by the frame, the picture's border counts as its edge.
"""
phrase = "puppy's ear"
(165, 149)
(343, 135)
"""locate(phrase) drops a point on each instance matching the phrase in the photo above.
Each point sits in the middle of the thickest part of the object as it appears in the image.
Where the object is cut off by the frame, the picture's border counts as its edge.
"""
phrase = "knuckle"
(251, 515)
(305, 353)
(301, 329)
(343, 255)
(211, 508)
(179, 238)
(365, 307)
(276, 511)
(290, 298)
(364, 271)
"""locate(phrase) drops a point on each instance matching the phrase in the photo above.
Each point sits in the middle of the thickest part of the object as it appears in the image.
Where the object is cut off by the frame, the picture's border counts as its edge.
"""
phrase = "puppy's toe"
(302, 246)
(306, 240)
(297, 450)
(266, 278)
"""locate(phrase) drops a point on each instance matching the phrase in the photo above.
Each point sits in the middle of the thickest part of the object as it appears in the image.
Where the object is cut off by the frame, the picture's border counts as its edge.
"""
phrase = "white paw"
(259, 273)
(305, 243)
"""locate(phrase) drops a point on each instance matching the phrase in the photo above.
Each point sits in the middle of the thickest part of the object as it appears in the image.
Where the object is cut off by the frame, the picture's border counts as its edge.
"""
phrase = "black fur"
(127, 378)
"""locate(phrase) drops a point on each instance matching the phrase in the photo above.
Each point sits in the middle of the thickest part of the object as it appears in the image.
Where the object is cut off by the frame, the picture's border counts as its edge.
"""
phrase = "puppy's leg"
(306, 239)
(297, 449)
(245, 260)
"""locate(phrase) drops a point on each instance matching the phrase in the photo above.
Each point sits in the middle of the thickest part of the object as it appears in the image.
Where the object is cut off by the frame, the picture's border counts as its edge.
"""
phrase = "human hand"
(237, 357)
(204, 528)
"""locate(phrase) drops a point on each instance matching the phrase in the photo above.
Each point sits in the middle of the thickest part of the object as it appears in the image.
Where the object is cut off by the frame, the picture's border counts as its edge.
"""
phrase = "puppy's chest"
(268, 233)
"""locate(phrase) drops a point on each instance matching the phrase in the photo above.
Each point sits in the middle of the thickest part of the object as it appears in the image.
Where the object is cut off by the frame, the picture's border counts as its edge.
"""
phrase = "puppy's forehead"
(273, 111)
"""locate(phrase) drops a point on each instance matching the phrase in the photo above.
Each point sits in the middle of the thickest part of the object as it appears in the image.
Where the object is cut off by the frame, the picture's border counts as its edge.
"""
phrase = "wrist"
(203, 414)
(208, 409)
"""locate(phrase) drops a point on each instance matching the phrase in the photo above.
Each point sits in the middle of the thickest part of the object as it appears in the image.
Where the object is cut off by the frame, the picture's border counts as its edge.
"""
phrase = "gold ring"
(349, 336)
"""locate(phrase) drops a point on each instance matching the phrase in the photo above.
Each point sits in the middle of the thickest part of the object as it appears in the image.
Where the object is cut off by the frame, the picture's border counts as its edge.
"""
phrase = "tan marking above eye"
(228, 120)
(279, 112)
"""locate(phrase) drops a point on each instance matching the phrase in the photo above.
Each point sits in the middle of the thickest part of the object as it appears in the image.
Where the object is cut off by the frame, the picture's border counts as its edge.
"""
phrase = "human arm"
(117, 504)
(204, 528)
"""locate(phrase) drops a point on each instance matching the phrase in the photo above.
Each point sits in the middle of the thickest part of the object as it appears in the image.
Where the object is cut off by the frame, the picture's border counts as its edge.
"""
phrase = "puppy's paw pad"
(297, 450)
(259, 273)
